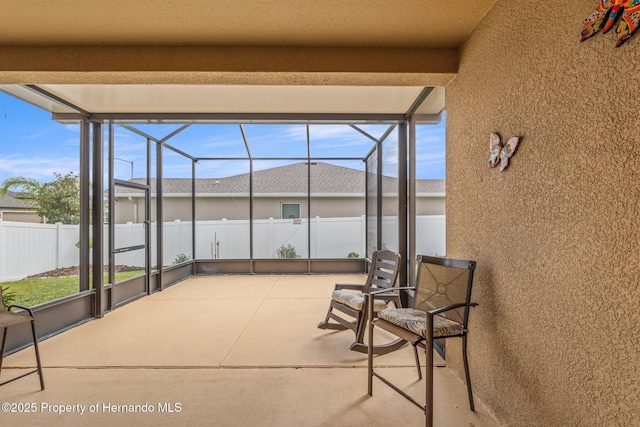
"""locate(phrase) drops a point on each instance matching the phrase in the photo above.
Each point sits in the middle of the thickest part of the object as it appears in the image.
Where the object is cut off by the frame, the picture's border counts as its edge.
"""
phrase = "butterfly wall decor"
(606, 15)
(500, 153)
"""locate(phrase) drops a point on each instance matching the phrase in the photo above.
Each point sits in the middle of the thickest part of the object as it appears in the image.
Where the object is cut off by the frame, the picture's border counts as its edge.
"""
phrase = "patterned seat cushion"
(355, 300)
(414, 320)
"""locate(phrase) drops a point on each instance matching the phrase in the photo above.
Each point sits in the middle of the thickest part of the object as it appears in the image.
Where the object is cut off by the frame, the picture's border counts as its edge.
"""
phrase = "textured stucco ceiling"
(359, 23)
(172, 46)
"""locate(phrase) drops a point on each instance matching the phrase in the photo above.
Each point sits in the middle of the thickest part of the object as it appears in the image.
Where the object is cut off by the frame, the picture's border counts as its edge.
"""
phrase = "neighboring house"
(13, 209)
(280, 192)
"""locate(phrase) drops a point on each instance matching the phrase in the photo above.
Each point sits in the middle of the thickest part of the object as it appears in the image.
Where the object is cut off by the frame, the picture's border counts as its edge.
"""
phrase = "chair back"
(383, 272)
(442, 282)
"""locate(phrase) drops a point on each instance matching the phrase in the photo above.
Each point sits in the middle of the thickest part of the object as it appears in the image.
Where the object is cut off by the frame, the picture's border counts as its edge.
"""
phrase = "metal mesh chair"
(442, 298)
(349, 299)
(9, 319)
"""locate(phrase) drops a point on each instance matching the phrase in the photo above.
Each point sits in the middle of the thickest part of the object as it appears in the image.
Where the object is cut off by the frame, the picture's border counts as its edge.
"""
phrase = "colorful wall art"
(627, 12)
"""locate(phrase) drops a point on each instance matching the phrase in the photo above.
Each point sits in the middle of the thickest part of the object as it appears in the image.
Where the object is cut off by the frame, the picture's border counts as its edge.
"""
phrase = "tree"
(57, 201)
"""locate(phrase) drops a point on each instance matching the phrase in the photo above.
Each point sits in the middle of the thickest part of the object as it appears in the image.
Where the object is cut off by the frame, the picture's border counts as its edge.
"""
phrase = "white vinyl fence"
(27, 248)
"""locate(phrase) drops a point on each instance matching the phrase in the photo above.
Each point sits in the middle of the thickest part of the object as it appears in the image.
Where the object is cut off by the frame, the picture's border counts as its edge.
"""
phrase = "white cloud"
(36, 135)
(217, 142)
(40, 168)
(73, 127)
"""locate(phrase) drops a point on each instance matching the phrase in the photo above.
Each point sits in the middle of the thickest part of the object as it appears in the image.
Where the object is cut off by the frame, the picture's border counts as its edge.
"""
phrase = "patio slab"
(283, 332)
(233, 397)
(231, 351)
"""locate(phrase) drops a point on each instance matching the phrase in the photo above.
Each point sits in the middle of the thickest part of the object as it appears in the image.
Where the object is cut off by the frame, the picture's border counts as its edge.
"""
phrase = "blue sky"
(33, 145)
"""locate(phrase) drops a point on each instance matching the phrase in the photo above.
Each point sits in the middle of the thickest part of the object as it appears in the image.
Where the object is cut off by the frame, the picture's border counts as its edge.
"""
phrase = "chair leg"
(428, 351)
(370, 360)
(4, 342)
(466, 371)
(415, 352)
(35, 346)
(361, 322)
(323, 324)
(369, 322)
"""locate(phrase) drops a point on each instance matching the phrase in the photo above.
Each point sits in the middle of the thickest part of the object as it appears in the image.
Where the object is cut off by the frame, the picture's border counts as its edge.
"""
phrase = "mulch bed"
(75, 271)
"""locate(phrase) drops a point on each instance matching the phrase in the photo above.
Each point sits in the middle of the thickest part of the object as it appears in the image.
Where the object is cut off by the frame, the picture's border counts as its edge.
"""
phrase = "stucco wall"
(555, 339)
(19, 216)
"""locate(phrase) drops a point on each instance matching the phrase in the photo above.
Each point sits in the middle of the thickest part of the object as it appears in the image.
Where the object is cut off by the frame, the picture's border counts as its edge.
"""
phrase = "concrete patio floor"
(224, 351)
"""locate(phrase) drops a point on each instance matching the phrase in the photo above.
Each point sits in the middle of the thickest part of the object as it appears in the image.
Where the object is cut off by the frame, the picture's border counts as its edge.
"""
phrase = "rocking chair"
(350, 299)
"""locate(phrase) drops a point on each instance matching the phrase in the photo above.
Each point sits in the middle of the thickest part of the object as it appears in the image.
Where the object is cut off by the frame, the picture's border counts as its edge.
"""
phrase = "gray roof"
(8, 200)
(325, 178)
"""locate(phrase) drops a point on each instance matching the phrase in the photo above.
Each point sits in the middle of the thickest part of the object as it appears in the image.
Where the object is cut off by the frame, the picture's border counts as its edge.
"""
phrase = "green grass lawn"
(30, 292)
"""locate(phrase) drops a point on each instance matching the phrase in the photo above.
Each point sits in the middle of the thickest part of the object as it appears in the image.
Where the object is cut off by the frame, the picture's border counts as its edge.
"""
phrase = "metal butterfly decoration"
(500, 153)
(606, 15)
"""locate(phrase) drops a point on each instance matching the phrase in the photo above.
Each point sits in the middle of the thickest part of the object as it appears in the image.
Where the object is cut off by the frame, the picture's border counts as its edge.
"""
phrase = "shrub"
(181, 258)
(287, 252)
(7, 297)
(353, 255)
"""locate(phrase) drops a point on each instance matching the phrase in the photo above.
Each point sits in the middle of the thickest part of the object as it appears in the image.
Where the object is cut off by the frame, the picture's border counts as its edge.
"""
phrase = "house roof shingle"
(8, 200)
(325, 178)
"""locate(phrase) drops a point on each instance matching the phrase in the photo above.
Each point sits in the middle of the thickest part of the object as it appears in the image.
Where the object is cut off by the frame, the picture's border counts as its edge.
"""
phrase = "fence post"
(315, 238)
(130, 243)
(272, 249)
(225, 224)
(178, 232)
(58, 226)
(3, 267)
(363, 235)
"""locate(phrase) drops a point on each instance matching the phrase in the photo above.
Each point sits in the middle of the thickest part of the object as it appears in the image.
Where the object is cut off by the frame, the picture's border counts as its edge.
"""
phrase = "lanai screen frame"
(256, 265)
(253, 264)
(97, 301)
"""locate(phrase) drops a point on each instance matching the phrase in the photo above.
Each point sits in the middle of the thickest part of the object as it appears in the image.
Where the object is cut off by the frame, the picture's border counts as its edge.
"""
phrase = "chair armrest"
(450, 307)
(393, 289)
(381, 295)
(349, 286)
(27, 309)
